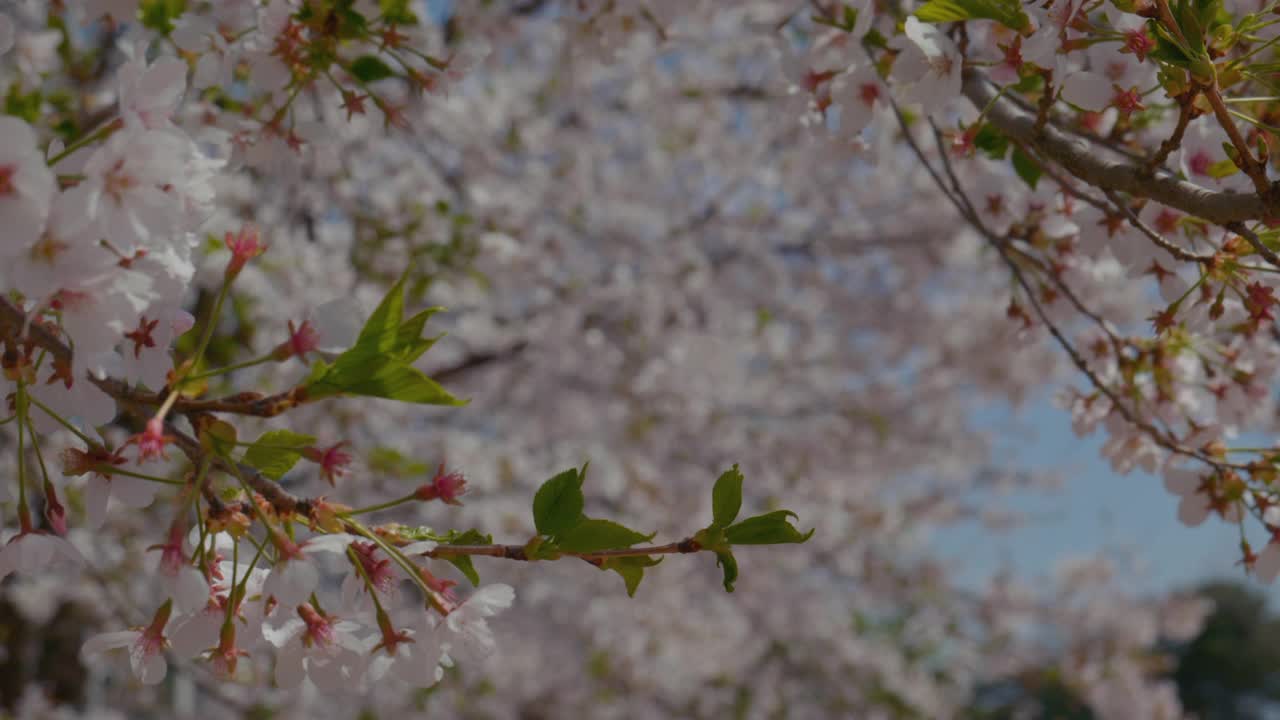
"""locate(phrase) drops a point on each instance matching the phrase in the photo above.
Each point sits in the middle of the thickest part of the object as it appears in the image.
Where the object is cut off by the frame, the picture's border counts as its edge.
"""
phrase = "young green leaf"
(768, 529)
(379, 364)
(1029, 170)
(368, 68)
(557, 506)
(466, 567)
(631, 569)
(387, 379)
(725, 559)
(726, 497)
(593, 535)
(276, 452)
(1006, 12)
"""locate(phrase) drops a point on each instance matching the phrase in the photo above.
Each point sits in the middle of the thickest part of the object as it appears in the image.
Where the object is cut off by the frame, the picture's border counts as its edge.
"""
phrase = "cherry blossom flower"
(328, 650)
(333, 460)
(929, 66)
(295, 575)
(146, 647)
(446, 487)
(1195, 505)
(32, 551)
(26, 186)
(149, 95)
(470, 637)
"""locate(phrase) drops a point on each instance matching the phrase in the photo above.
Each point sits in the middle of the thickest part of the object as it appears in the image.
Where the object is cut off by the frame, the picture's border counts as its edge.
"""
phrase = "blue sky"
(1130, 517)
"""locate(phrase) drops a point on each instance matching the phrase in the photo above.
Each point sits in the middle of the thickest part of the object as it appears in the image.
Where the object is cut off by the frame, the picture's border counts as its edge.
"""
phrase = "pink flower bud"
(445, 487)
(244, 246)
(333, 460)
(151, 442)
(303, 339)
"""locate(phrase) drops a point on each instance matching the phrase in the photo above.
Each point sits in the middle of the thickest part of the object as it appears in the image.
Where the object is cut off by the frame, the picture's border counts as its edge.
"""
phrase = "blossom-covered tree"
(744, 268)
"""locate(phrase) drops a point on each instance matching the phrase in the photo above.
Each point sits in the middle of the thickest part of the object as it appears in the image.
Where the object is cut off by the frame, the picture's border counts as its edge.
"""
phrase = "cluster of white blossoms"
(644, 267)
(99, 237)
(363, 635)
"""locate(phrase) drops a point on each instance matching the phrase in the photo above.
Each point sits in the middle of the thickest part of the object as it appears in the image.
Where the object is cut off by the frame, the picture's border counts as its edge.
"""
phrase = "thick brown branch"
(1105, 168)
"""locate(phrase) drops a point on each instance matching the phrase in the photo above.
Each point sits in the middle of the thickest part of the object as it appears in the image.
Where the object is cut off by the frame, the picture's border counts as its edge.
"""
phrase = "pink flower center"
(869, 93)
(1200, 162)
(118, 181)
(141, 337)
(6, 179)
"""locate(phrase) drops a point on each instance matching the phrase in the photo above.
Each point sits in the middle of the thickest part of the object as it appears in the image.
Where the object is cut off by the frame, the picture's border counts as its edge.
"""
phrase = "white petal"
(99, 644)
(289, 670)
(1088, 90)
(1181, 481)
(1193, 509)
(421, 547)
(1268, 563)
(190, 591)
(150, 667)
(336, 542)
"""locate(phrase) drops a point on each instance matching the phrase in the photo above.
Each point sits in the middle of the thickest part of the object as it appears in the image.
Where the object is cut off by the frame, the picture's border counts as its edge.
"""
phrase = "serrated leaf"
(380, 330)
(1006, 12)
(379, 364)
(1029, 170)
(726, 497)
(726, 560)
(769, 529)
(631, 569)
(557, 506)
(389, 380)
(593, 535)
(368, 68)
(276, 452)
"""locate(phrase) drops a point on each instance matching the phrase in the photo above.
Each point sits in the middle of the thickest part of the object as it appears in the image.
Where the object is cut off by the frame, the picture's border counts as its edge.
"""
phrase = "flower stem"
(380, 506)
(230, 368)
(112, 470)
(63, 422)
(101, 133)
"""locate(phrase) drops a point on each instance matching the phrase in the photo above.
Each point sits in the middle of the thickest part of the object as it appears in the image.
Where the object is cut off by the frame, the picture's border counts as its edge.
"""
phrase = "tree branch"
(1105, 168)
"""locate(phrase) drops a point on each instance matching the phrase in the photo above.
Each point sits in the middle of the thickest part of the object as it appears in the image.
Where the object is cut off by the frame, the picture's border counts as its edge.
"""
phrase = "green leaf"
(386, 379)
(1029, 170)
(1221, 169)
(397, 12)
(276, 452)
(726, 560)
(218, 438)
(25, 106)
(726, 497)
(557, 506)
(768, 529)
(379, 364)
(159, 15)
(631, 569)
(381, 329)
(992, 142)
(368, 68)
(466, 567)
(1006, 12)
(593, 535)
